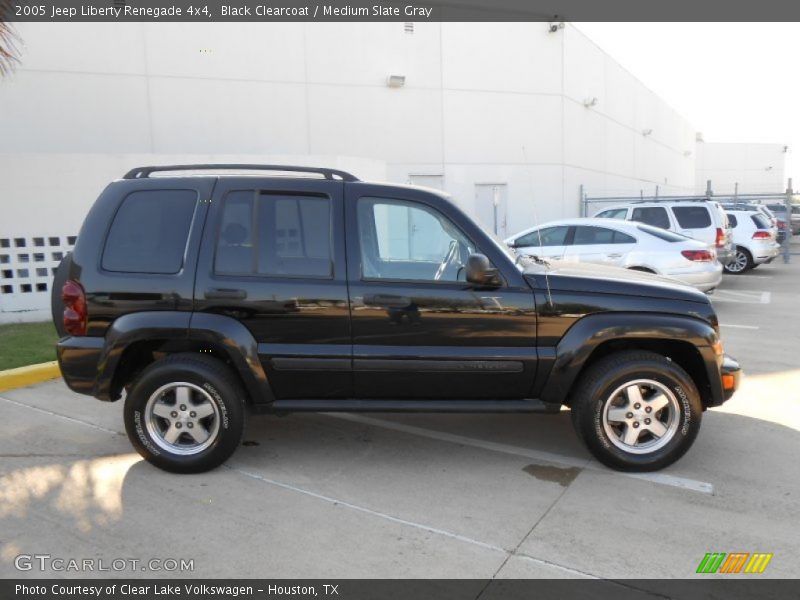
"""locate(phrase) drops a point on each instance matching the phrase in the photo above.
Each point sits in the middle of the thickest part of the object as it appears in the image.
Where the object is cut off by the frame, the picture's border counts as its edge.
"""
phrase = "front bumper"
(731, 375)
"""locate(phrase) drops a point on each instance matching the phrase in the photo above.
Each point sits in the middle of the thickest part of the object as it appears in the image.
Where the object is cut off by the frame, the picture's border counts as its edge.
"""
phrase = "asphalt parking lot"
(424, 496)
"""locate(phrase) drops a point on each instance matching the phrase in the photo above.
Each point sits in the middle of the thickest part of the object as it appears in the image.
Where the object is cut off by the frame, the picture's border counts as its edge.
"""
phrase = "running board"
(422, 406)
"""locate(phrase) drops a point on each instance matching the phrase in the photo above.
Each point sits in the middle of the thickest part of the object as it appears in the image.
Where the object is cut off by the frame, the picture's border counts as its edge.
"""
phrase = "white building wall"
(757, 168)
(482, 103)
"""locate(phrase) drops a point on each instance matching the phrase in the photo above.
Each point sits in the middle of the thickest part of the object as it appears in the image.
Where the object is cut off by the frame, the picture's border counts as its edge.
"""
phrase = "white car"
(625, 244)
(702, 220)
(754, 238)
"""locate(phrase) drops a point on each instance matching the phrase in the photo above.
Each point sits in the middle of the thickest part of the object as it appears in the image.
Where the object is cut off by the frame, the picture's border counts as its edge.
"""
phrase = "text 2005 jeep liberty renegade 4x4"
(203, 295)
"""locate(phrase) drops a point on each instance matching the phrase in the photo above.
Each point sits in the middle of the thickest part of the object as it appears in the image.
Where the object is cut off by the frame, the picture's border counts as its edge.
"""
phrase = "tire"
(601, 396)
(165, 430)
(742, 261)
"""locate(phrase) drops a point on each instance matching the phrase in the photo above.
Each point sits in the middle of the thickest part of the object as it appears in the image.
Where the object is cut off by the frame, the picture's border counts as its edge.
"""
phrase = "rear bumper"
(731, 374)
(78, 359)
(726, 254)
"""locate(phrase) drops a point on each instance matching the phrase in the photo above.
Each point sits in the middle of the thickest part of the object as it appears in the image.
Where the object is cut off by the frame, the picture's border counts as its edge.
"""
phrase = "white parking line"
(732, 326)
(742, 296)
(60, 416)
(406, 522)
(548, 457)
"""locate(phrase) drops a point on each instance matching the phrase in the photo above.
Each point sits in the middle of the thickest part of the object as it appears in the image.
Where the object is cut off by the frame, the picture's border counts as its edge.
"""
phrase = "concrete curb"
(22, 376)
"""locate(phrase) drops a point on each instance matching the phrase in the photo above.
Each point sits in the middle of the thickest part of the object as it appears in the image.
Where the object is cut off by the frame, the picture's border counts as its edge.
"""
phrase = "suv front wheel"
(636, 411)
(185, 413)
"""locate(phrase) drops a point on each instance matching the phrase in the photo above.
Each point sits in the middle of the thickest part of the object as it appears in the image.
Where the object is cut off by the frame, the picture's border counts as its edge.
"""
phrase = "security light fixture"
(556, 26)
(396, 81)
(646, 132)
(589, 102)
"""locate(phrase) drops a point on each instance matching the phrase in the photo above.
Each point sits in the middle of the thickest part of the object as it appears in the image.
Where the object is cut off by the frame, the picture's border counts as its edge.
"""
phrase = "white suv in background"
(702, 220)
(755, 240)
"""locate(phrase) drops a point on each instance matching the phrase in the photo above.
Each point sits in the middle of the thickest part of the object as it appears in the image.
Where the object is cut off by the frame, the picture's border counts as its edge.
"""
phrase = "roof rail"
(145, 172)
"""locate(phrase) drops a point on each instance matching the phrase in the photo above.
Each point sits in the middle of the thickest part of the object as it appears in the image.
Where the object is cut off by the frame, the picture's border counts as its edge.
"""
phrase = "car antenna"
(538, 233)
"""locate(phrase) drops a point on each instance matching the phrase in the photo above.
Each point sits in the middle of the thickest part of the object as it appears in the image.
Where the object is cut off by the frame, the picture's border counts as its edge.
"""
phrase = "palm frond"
(8, 40)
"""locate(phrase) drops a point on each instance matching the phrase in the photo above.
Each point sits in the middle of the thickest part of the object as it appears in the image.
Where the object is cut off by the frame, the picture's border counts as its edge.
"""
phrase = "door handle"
(386, 301)
(615, 255)
(225, 294)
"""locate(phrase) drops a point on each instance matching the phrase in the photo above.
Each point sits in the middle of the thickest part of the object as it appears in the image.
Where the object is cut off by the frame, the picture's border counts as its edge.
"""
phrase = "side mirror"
(481, 272)
(512, 244)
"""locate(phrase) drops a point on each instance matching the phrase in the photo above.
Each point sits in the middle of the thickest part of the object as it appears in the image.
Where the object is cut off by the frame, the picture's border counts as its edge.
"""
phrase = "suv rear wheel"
(742, 261)
(636, 411)
(185, 413)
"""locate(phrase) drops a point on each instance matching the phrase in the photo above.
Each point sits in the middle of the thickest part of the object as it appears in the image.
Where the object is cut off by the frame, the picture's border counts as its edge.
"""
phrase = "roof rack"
(332, 174)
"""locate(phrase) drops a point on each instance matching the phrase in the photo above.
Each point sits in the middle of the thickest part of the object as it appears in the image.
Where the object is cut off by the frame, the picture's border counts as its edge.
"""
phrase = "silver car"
(624, 244)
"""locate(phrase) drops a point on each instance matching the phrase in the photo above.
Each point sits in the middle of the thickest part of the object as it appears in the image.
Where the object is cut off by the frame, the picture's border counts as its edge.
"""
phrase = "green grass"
(27, 344)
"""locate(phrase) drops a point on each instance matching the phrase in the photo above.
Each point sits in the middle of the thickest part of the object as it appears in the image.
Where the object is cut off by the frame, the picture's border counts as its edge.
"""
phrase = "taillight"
(781, 224)
(74, 308)
(698, 255)
(762, 235)
(720, 241)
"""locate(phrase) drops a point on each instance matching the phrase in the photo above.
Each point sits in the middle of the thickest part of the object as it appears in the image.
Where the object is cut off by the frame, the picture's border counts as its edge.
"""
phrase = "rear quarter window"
(692, 217)
(149, 232)
(733, 221)
(760, 222)
(662, 234)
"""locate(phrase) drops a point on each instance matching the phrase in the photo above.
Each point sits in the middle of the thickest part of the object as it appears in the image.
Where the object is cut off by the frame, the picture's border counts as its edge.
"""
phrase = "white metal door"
(491, 201)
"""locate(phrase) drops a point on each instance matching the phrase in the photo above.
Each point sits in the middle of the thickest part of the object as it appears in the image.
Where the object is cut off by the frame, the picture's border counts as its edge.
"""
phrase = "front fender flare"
(583, 338)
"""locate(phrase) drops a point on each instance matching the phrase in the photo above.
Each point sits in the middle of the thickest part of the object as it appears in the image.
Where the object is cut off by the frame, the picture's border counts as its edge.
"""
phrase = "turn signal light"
(720, 241)
(728, 382)
(74, 298)
(762, 235)
(698, 255)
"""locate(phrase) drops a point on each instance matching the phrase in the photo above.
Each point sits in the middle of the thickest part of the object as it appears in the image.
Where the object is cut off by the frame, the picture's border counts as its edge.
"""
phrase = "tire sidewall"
(226, 396)
(690, 414)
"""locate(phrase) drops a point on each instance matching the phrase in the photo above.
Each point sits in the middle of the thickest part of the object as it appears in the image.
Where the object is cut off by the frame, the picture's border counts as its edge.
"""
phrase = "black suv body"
(197, 296)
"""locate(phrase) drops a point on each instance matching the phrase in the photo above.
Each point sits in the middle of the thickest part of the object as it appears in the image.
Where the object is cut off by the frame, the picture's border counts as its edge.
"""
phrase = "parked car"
(793, 220)
(772, 221)
(196, 296)
(625, 244)
(755, 240)
(698, 219)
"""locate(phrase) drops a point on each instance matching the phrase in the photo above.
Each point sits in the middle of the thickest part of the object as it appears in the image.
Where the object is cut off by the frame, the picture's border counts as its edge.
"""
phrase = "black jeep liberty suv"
(199, 292)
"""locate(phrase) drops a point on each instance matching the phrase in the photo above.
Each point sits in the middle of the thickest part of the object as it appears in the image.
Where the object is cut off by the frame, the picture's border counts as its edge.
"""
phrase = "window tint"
(235, 248)
(150, 231)
(409, 241)
(652, 215)
(294, 236)
(291, 237)
(593, 235)
(761, 222)
(613, 213)
(733, 221)
(692, 217)
(662, 234)
(551, 236)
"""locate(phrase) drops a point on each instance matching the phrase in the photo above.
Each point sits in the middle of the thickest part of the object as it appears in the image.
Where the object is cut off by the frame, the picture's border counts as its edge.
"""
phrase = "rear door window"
(651, 215)
(692, 217)
(274, 235)
(150, 231)
(585, 236)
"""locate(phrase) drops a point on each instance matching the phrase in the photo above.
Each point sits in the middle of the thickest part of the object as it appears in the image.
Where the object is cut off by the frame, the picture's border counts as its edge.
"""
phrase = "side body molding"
(577, 345)
(240, 346)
